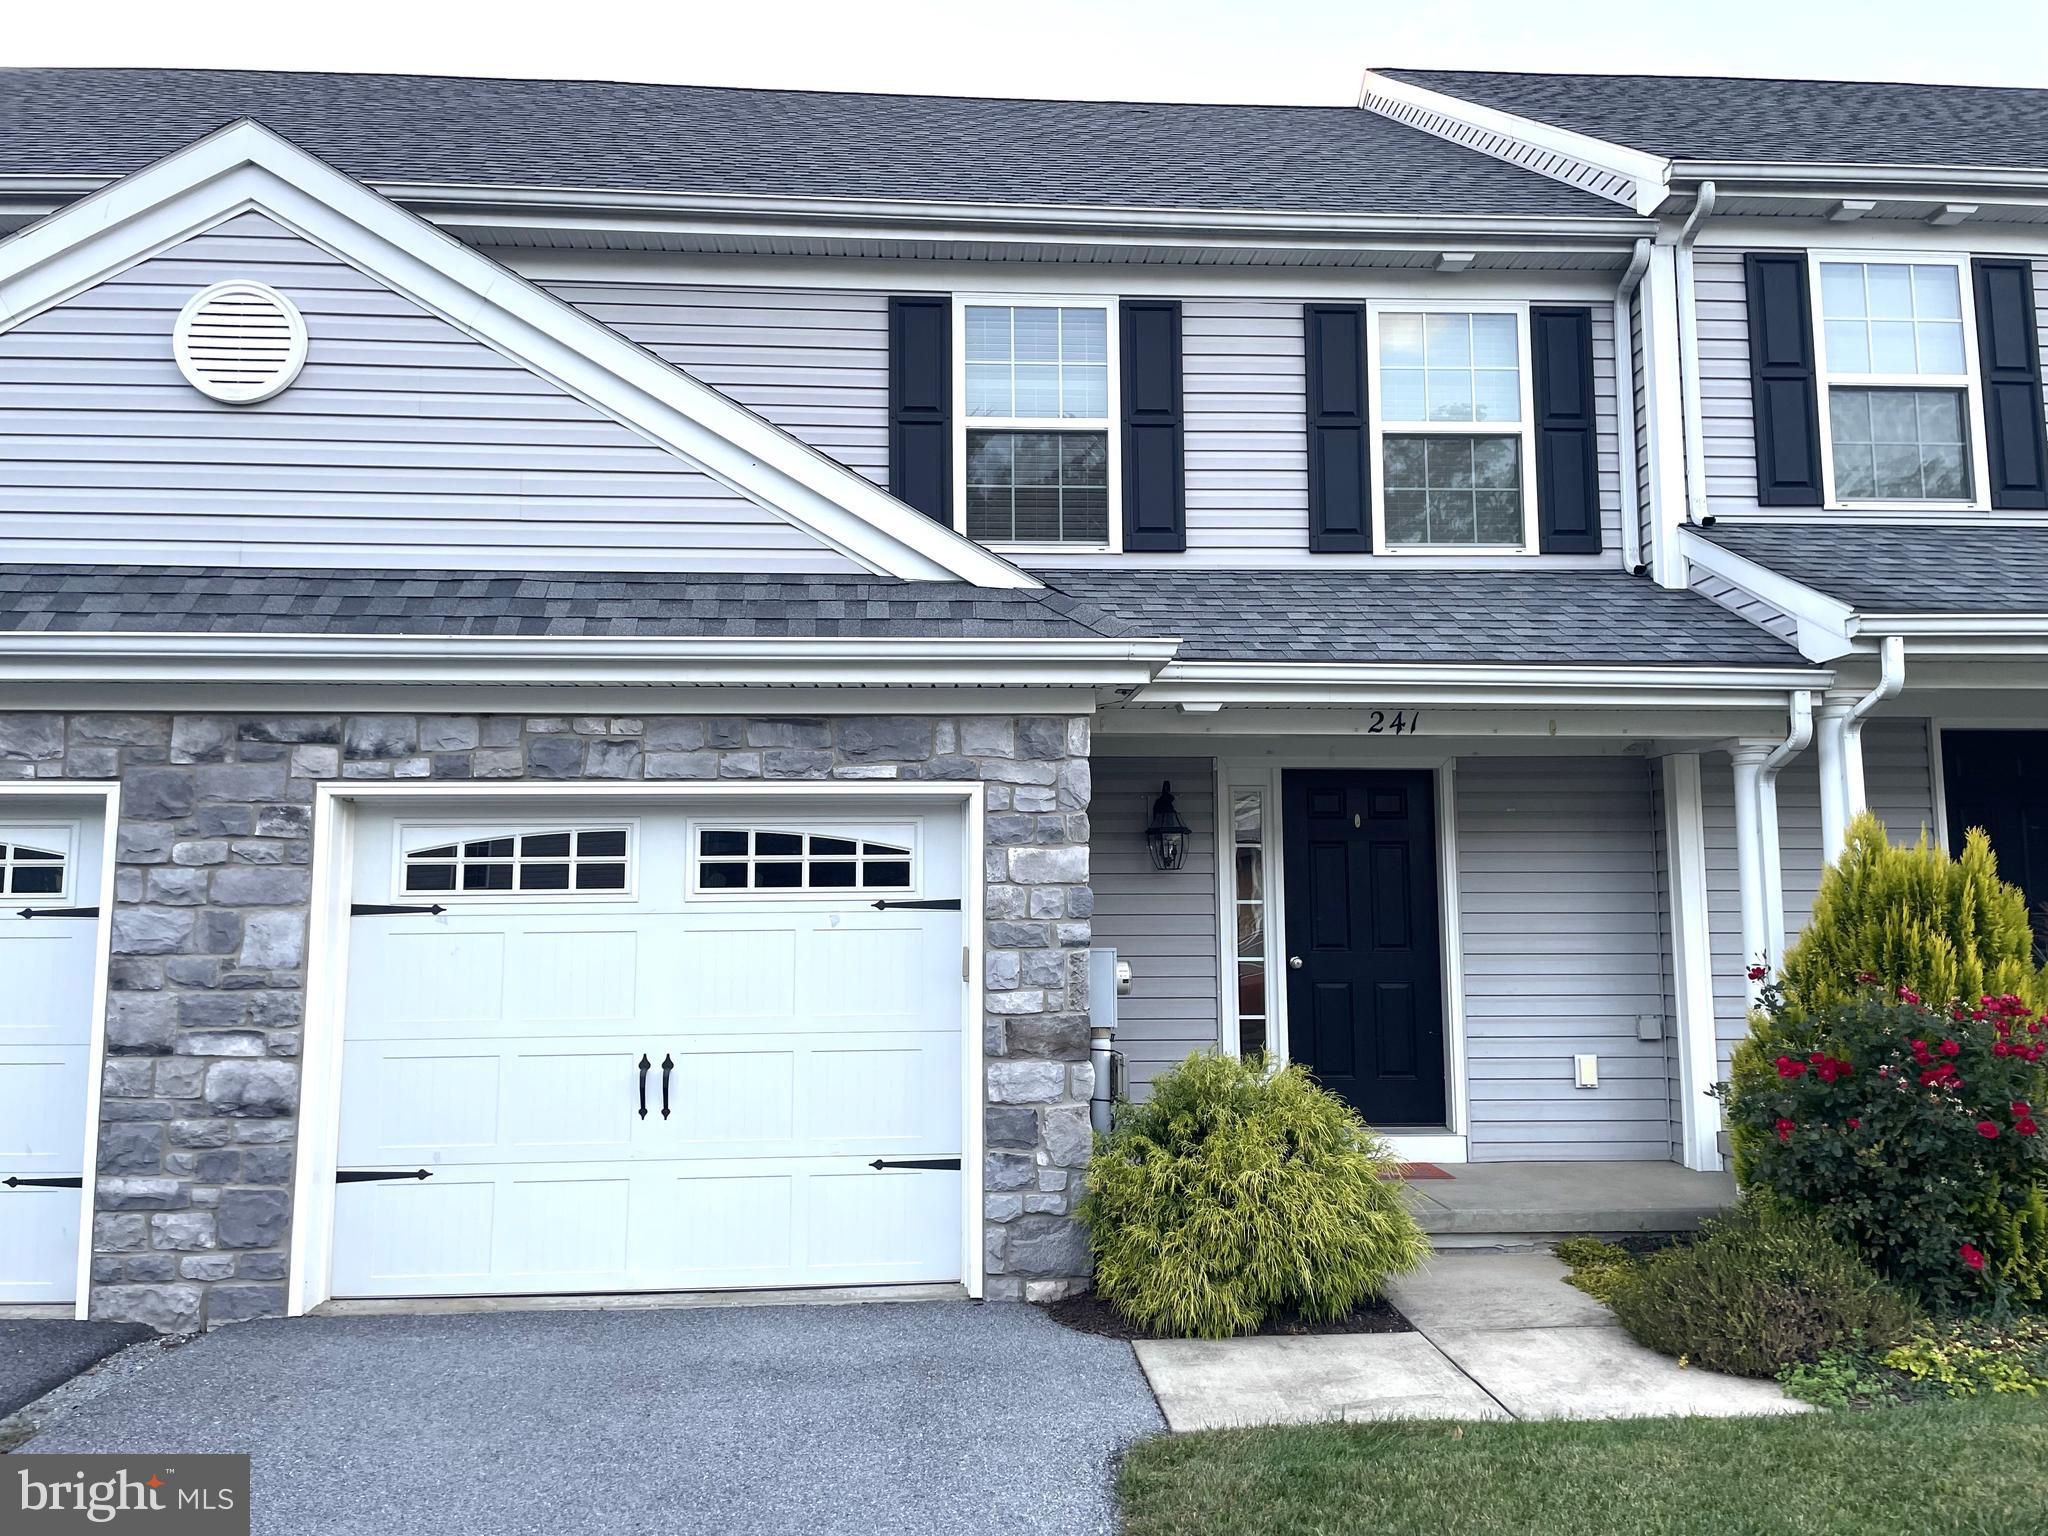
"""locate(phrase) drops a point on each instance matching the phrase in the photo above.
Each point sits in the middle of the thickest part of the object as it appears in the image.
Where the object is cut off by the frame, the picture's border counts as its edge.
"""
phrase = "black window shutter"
(1781, 372)
(1155, 499)
(1567, 463)
(2009, 353)
(921, 404)
(1339, 485)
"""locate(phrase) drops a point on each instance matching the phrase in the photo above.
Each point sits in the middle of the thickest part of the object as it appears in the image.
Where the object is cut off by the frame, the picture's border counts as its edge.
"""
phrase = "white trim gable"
(247, 167)
(1825, 626)
(1609, 170)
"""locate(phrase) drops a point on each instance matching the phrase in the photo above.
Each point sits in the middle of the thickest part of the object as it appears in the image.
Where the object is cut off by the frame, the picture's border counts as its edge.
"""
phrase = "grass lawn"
(1974, 1468)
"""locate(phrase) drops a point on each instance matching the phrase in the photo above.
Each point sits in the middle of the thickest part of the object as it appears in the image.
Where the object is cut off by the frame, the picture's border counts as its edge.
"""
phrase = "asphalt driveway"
(39, 1354)
(915, 1418)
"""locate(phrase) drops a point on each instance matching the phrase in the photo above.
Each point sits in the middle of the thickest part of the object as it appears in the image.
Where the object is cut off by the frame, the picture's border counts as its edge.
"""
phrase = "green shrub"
(1911, 918)
(1849, 1376)
(1761, 1288)
(1977, 1358)
(1234, 1192)
(1597, 1267)
(1910, 1131)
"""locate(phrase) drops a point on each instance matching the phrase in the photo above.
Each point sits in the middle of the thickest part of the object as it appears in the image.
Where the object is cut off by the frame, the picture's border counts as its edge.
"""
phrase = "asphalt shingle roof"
(1700, 117)
(1513, 617)
(702, 139)
(1892, 569)
(225, 600)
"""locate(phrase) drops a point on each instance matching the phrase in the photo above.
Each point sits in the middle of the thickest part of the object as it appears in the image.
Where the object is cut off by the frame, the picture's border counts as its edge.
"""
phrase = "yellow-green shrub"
(1233, 1193)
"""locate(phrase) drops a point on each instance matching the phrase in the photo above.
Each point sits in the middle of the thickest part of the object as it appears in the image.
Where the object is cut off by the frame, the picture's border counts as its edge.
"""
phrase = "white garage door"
(49, 868)
(651, 1048)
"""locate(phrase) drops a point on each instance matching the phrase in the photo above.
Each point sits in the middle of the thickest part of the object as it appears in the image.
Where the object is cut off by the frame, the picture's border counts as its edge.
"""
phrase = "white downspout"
(1625, 400)
(1795, 742)
(1689, 356)
(1890, 680)
(1748, 759)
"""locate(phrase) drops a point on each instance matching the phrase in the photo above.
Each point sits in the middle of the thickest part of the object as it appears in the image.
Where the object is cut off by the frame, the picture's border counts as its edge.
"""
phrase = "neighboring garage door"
(49, 868)
(651, 1048)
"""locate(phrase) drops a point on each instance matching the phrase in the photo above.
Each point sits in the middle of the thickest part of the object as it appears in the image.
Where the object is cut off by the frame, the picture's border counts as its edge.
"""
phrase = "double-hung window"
(1451, 413)
(1898, 377)
(1037, 385)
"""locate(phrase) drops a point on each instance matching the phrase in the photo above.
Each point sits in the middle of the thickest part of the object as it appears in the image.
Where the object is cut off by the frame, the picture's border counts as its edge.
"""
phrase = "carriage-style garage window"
(589, 859)
(773, 859)
(31, 871)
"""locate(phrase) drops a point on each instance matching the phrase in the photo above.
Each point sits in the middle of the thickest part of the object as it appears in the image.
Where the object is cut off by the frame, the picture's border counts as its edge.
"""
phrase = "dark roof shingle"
(1893, 569)
(1532, 618)
(600, 135)
(230, 600)
(1704, 117)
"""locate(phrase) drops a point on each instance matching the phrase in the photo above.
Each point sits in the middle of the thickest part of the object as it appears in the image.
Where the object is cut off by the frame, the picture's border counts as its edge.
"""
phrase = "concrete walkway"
(1497, 1336)
(891, 1419)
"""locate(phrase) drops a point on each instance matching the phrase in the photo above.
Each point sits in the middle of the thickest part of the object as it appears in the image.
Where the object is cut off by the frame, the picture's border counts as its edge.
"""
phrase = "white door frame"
(327, 973)
(108, 793)
(1234, 772)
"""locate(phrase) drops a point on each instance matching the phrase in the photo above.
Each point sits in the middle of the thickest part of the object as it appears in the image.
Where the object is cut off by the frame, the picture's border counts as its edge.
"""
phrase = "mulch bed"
(1091, 1314)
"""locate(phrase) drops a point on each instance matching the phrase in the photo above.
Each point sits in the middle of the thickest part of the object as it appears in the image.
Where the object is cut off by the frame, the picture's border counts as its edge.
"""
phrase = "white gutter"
(1891, 679)
(1795, 742)
(1625, 403)
(794, 662)
(1958, 177)
(1689, 357)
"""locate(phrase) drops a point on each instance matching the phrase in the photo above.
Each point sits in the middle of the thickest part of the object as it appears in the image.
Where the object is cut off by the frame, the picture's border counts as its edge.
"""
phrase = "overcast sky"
(1177, 50)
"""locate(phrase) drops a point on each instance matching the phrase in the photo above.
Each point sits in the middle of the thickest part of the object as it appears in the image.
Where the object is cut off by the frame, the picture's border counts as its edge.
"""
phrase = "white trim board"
(319, 1111)
(245, 166)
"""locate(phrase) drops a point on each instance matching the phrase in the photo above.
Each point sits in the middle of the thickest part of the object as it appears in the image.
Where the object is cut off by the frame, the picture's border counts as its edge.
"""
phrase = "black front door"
(1998, 780)
(1365, 999)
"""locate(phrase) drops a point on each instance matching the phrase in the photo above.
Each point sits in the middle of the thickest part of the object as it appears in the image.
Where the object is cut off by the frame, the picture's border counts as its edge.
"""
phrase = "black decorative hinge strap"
(381, 909)
(952, 1163)
(72, 1181)
(942, 904)
(27, 912)
(368, 1176)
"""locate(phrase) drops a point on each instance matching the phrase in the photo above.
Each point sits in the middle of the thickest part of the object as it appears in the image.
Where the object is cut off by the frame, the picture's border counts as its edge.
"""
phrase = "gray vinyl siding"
(1898, 781)
(403, 443)
(1563, 950)
(1727, 419)
(814, 362)
(1660, 845)
(1245, 397)
(1163, 923)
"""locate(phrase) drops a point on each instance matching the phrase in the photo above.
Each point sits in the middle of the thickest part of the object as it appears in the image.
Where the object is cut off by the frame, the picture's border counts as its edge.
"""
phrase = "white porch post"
(1692, 962)
(1830, 734)
(1752, 857)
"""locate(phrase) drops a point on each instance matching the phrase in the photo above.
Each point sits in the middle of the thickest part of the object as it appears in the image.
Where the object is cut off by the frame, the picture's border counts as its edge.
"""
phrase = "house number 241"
(1400, 723)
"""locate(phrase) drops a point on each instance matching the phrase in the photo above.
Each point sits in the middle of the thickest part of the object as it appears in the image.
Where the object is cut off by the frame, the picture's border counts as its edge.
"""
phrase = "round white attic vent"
(239, 342)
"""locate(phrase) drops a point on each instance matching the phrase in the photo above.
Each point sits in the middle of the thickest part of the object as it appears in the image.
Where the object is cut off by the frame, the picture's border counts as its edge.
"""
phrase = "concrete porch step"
(1528, 1205)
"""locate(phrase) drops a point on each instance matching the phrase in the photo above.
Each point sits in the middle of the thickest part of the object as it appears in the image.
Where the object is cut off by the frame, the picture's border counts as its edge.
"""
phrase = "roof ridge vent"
(239, 342)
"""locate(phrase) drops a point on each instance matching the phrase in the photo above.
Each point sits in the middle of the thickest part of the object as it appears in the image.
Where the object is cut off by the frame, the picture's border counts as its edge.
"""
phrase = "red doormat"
(1423, 1171)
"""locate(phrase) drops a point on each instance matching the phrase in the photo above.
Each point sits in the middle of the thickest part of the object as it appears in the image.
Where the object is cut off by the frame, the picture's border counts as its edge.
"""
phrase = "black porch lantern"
(1166, 835)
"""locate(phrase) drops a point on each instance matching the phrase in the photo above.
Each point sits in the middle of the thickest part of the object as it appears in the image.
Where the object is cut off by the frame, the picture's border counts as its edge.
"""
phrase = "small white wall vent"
(239, 342)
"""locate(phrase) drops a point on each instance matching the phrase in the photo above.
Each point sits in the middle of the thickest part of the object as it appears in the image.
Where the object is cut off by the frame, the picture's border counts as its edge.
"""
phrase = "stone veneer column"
(207, 980)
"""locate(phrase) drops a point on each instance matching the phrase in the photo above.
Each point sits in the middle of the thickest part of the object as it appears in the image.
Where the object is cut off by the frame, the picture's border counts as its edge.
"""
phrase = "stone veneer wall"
(207, 978)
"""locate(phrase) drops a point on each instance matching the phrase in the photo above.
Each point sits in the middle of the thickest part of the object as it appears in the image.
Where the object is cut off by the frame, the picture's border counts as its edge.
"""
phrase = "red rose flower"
(1971, 1256)
(1988, 1129)
(2025, 1127)
(1950, 1048)
(1790, 1067)
(1908, 995)
(1758, 972)
(1855, 1125)
(2022, 1107)
(1785, 1129)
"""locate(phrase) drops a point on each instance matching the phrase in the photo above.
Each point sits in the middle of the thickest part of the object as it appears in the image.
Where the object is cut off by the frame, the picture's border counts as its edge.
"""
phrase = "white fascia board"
(1270, 683)
(710, 661)
(1732, 175)
(743, 215)
(1827, 625)
(246, 166)
(1650, 175)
